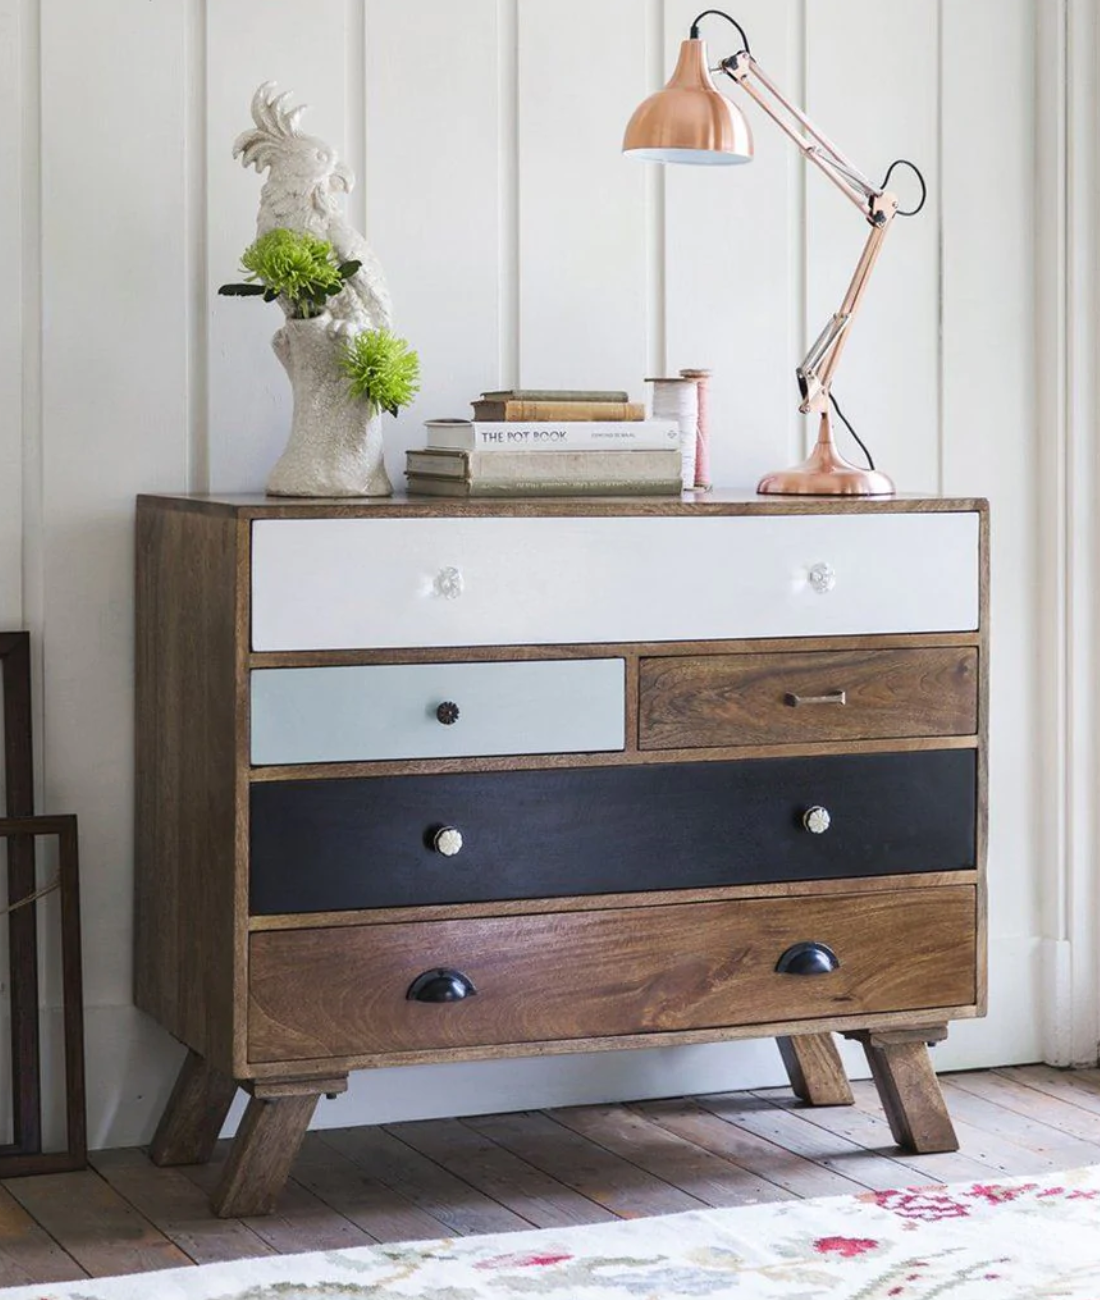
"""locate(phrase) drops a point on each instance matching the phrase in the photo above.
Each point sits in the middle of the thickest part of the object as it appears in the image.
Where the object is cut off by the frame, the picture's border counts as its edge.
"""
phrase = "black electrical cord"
(848, 426)
(904, 162)
(720, 13)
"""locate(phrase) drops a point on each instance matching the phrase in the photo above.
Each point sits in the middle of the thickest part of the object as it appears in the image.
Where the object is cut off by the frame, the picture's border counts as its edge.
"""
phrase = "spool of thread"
(677, 398)
(702, 440)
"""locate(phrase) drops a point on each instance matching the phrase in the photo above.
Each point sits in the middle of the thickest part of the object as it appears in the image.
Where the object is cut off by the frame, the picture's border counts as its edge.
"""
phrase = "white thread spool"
(678, 399)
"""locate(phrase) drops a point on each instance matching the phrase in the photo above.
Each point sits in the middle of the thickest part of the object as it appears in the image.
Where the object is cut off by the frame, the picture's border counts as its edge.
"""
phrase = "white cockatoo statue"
(304, 182)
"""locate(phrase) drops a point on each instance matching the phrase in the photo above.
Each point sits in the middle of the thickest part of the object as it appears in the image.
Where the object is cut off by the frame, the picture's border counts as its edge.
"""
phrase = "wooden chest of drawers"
(421, 781)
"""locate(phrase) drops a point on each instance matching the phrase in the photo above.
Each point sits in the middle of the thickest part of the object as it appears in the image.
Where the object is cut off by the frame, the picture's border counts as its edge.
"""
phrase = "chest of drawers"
(423, 781)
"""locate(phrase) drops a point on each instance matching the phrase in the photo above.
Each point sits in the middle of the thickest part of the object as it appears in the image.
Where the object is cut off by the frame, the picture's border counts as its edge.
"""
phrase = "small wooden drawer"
(395, 711)
(328, 584)
(785, 699)
(338, 993)
(327, 845)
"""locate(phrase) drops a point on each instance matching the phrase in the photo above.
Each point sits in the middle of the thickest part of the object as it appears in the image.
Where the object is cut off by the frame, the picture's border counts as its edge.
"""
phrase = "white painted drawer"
(320, 584)
(388, 711)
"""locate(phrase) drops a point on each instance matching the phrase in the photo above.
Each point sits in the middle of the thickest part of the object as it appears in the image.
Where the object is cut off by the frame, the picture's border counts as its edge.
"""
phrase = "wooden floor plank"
(1079, 1087)
(872, 1132)
(463, 1209)
(795, 1174)
(300, 1222)
(90, 1220)
(790, 1130)
(1059, 1150)
(619, 1185)
(174, 1205)
(1072, 1120)
(377, 1210)
(497, 1173)
(672, 1158)
(28, 1254)
(501, 1174)
(991, 1148)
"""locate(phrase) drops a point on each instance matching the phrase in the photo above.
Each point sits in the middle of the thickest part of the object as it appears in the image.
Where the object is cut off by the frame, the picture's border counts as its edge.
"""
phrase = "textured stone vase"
(335, 446)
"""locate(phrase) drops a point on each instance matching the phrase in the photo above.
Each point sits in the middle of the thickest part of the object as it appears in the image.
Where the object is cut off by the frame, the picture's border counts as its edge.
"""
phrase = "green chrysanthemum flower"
(294, 265)
(382, 369)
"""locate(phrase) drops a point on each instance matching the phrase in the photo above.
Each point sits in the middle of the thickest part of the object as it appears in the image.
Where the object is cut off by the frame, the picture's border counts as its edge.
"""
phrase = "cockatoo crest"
(304, 177)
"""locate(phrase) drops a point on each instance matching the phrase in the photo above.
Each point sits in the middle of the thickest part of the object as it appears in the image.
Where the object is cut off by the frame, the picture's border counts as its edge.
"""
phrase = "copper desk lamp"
(691, 121)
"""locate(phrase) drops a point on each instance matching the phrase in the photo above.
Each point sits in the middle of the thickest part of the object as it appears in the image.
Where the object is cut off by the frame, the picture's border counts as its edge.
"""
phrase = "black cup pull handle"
(440, 985)
(808, 959)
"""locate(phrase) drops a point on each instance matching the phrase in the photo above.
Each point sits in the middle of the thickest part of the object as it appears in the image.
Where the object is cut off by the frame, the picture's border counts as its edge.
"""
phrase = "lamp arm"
(878, 206)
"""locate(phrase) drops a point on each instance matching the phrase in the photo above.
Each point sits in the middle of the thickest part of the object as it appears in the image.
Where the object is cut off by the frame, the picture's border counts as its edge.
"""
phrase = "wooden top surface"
(718, 502)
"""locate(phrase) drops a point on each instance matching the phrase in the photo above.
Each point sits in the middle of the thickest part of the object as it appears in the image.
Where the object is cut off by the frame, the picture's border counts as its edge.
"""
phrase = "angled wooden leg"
(266, 1145)
(815, 1070)
(908, 1087)
(194, 1115)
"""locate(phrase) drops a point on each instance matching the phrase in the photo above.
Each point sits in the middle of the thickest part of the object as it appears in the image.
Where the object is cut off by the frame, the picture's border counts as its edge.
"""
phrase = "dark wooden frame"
(14, 1163)
(15, 667)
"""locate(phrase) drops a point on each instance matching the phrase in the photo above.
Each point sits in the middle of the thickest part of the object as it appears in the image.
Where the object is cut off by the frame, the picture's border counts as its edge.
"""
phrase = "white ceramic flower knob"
(822, 578)
(449, 583)
(448, 841)
(816, 820)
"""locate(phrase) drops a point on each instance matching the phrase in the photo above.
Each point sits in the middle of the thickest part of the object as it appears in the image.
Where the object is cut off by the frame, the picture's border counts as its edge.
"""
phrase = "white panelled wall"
(521, 248)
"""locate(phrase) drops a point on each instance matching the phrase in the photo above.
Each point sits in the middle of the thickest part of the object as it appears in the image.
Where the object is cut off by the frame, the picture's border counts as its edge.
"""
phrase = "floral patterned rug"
(1007, 1240)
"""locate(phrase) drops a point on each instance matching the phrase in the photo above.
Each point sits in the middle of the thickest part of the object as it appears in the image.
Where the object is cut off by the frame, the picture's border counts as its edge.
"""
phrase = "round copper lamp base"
(826, 474)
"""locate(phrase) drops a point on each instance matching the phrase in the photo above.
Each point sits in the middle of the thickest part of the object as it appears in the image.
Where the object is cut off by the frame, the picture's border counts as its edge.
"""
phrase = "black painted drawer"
(335, 845)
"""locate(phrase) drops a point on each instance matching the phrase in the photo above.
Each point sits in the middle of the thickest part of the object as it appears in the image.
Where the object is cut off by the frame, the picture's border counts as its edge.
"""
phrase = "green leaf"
(269, 295)
(348, 269)
(241, 290)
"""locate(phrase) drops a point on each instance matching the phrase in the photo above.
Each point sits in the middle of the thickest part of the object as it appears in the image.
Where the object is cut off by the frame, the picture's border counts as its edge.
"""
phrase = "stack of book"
(549, 442)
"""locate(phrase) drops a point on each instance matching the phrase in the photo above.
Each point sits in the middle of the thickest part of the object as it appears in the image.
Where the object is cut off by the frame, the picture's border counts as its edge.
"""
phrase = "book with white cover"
(562, 466)
(568, 435)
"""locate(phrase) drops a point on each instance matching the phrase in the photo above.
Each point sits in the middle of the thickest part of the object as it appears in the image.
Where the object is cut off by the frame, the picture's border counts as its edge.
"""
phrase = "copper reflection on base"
(826, 474)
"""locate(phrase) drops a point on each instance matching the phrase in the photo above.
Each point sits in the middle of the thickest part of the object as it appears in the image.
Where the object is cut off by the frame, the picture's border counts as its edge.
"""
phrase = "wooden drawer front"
(780, 699)
(330, 715)
(342, 992)
(336, 845)
(321, 584)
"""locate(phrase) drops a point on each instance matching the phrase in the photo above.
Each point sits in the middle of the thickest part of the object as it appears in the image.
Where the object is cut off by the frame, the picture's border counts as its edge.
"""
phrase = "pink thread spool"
(702, 435)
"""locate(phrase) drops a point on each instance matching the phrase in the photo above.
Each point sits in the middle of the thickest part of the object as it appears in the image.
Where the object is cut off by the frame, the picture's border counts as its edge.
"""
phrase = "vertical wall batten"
(581, 218)
(990, 446)
(656, 223)
(434, 181)
(877, 107)
(508, 368)
(114, 410)
(195, 251)
(731, 282)
(355, 115)
(248, 42)
(14, 236)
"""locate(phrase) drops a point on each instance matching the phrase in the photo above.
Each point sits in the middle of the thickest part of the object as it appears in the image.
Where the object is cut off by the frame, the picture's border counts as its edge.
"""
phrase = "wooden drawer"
(779, 699)
(330, 845)
(389, 711)
(321, 584)
(342, 992)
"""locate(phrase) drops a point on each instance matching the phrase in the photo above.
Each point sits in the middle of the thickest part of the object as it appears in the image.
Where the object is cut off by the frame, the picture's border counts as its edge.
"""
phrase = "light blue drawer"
(390, 711)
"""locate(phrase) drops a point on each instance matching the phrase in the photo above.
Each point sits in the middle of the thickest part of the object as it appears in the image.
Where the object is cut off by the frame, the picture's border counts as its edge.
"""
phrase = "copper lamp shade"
(690, 121)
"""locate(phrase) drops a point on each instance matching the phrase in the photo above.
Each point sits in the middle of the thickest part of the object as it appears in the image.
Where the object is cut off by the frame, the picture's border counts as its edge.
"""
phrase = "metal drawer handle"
(440, 985)
(808, 959)
(830, 697)
(448, 713)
